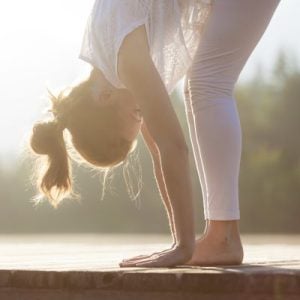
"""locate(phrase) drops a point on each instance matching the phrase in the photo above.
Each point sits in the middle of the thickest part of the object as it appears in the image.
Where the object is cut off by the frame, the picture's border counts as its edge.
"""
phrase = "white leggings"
(232, 31)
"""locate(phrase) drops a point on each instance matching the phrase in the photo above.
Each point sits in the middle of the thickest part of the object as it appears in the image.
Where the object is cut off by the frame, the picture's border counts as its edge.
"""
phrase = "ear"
(103, 98)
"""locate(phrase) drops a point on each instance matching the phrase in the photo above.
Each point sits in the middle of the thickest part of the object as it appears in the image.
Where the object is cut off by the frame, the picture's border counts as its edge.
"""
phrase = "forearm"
(164, 194)
(176, 173)
(157, 168)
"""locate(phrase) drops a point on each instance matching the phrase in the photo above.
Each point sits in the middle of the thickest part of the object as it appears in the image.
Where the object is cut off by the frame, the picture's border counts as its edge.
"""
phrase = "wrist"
(186, 246)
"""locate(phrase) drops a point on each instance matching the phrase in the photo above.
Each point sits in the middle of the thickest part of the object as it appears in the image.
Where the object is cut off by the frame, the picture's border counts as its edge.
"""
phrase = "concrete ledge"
(64, 268)
(248, 282)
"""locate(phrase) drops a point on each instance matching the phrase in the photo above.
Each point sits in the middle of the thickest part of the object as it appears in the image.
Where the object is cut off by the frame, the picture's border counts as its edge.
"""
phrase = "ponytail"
(53, 169)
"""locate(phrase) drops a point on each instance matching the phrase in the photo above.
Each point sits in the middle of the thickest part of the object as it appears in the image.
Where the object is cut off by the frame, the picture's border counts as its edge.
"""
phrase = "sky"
(40, 43)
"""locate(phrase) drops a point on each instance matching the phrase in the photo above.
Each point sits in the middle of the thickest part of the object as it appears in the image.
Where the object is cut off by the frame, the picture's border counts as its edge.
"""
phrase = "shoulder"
(134, 50)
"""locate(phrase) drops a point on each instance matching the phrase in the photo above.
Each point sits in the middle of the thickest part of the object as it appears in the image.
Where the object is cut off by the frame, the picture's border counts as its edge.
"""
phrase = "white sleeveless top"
(173, 30)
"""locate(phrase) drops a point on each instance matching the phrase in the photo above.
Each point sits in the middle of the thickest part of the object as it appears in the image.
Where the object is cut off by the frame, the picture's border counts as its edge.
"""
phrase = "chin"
(132, 133)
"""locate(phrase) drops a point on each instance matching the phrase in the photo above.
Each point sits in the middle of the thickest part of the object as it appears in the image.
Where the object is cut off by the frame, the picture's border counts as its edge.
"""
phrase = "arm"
(156, 160)
(139, 75)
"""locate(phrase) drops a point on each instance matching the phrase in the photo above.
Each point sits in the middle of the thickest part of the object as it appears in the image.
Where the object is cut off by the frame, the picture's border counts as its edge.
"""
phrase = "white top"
(173, 30)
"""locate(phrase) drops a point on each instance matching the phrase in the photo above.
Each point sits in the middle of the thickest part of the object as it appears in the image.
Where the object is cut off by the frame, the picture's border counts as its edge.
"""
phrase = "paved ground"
(94, 252)
(86, 267)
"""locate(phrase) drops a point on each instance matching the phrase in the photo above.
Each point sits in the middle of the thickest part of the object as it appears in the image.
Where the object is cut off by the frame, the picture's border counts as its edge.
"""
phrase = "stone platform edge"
(165, 280)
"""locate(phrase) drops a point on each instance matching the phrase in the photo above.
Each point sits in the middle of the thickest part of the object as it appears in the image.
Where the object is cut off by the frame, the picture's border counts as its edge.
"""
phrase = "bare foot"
(220, 245)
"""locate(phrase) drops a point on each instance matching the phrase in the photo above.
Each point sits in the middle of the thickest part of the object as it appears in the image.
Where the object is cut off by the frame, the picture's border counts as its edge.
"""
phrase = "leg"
(232, 32)
(195, 146)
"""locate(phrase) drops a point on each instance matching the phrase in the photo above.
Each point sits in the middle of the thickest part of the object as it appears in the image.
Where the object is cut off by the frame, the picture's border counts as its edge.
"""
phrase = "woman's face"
(127, 108)
(129, 112)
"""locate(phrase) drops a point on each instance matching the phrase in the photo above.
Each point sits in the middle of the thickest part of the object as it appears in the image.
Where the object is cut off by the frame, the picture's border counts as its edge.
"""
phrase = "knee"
(213, 73)
(207, 85)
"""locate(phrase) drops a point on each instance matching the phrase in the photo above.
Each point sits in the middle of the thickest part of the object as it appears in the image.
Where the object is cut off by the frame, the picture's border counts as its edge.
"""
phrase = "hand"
(167, 258)
(139, 257)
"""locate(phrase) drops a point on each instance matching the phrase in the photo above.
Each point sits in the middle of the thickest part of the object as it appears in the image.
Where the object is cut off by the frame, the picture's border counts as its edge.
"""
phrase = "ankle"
(224, 230)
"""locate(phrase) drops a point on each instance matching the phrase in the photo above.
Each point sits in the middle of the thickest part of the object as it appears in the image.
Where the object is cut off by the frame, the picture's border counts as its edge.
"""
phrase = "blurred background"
(39, 49)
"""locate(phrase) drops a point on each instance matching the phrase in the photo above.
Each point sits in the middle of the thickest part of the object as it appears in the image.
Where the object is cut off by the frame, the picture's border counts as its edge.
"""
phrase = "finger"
(127, 264)
(168, 260)
(145, 256)
(150, 264)
(133, 263)
(160, 262)
(151, 257)
(139, 257)
(148, 255)
(136, 257)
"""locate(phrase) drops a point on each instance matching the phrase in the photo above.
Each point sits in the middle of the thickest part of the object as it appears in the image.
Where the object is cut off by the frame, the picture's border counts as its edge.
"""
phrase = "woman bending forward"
(139, 50)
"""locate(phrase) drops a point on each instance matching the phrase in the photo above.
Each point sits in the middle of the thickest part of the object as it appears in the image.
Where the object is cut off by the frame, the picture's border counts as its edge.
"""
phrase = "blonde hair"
(93, 131)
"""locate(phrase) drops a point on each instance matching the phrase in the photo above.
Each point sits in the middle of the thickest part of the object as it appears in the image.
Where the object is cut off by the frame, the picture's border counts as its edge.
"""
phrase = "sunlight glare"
(40, 46)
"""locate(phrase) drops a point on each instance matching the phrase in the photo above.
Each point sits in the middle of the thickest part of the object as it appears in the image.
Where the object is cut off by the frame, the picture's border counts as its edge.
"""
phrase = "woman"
(139, 50)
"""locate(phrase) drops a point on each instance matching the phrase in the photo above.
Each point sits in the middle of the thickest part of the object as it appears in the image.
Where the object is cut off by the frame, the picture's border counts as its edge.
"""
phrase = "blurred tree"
(269, 110)
(270, 163)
